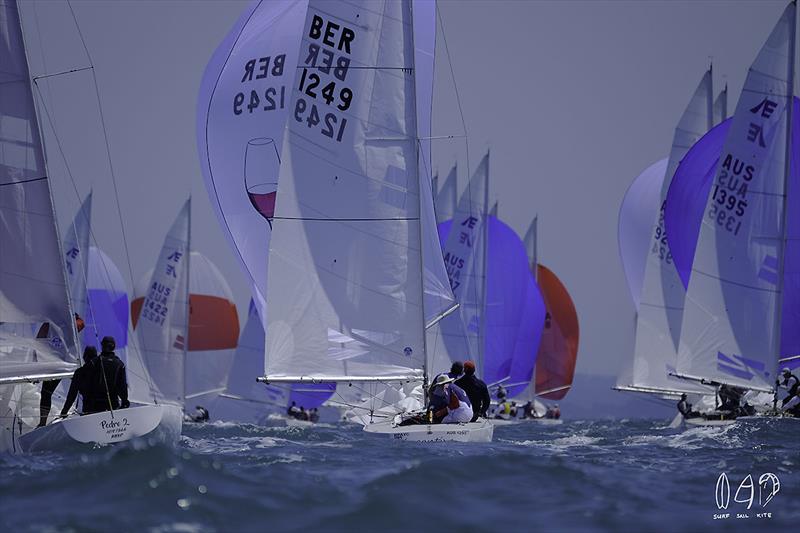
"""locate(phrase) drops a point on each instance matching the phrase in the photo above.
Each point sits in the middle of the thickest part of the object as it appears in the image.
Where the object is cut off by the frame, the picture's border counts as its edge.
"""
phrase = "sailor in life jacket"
(792, 384)
(458, 408)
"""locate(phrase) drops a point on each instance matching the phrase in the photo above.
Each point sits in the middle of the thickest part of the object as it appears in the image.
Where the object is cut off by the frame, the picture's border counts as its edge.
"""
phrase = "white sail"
(465, 259)
(76, 257)
(345, 290)
(729, 331)
(33, 287)
(721, 106)
(531, 247)
(162, 324)
(661, 301)
(447, 196)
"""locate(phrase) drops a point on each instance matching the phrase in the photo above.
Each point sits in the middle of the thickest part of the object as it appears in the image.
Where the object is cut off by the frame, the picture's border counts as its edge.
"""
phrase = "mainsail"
(447, 196)
(33, 286)
(661, 300)
(345, 299)
(731, 323)
(162, 325)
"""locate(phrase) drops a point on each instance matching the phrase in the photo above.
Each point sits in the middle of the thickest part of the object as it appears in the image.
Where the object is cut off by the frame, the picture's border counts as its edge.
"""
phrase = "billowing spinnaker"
(687, 196)
(686, 204)
(161, 325)
(345, 284)
(658, 321)
(635, 220)
(729, 331)
(108, 312)
(244, 103)
(33, 287)
(76, 257)
(558, 351)
(505, 315)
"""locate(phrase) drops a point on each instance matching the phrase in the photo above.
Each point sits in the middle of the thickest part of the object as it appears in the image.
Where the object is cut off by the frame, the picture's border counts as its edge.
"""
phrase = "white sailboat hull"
(480, 431)
(160, 422)
(699, 421)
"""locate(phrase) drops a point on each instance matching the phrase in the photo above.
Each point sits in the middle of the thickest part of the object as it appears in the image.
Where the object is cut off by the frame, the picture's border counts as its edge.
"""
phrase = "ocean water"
(581, 476)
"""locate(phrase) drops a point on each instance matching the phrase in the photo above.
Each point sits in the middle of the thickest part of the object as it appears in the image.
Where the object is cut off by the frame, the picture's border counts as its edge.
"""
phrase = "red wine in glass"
(261, 168)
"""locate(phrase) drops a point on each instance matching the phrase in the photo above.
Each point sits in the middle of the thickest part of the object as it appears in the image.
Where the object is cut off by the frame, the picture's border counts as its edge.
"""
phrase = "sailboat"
(558, 349)
(660, 304)
(186, 323)
(733, 332)
(33, 284)
(355, 274)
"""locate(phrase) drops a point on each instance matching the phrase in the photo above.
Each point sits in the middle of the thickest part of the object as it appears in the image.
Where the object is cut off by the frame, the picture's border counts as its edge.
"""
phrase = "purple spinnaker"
(108, 312)
(514, 308)
(686, 201)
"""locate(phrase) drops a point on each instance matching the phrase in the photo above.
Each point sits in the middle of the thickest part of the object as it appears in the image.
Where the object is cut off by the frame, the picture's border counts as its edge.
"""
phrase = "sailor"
(456, 370)
(458, 408)
(685, 408)
(303, 415)
(80, 382)
(108, 384)
(200, 415)
(50, 386)
(293, 410)
(512, 410)
(501, 394)
(792, 384)
(313, 415)
(527, 410)
(729, 398)
(477, 391)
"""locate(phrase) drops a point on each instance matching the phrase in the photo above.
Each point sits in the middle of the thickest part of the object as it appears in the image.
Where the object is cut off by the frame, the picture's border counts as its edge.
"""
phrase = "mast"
(188, 297)
(484, 254)
(786, 171)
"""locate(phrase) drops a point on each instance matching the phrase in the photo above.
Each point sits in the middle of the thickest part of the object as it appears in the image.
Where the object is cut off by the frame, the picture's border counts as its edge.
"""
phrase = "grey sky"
(573, 98)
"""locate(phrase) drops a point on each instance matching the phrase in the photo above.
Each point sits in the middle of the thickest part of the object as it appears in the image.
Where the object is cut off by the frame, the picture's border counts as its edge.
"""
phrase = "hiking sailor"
(50, 386)
(792, 384)
(80, 382)
(457, 409)
(685, 408)
(200, 415)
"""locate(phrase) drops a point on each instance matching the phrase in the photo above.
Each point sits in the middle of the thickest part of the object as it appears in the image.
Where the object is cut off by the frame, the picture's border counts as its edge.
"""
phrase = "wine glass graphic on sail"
(261, 167)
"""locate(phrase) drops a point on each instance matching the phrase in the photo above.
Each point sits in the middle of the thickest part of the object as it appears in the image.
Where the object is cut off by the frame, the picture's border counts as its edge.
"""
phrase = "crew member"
(792, 384)
(108, 387)
(458, 408)
(80, 382)
(50, 386)
(477, 391)
(200, 415)
(685, 408)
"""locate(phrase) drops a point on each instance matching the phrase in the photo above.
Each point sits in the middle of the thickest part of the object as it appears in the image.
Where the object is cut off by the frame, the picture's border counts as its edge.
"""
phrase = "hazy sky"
(573, 98)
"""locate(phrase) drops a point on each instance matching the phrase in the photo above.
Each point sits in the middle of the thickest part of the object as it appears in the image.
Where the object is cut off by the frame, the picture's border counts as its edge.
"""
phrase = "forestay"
(33, 287)
(345, 267)
(730, 332)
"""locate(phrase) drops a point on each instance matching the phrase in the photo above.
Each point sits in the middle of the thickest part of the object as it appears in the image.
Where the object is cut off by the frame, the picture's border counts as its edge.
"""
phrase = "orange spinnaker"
(558, 350)
(213, 322)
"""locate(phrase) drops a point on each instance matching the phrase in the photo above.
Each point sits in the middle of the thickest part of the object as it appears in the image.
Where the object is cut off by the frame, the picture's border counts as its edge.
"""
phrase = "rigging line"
(23, 181)
(455, 87)
(77, 194)
(62, 73)
(133, 337)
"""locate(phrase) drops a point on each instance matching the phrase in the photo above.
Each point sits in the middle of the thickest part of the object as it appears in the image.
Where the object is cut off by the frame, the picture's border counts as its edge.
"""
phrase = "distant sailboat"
(186, 323)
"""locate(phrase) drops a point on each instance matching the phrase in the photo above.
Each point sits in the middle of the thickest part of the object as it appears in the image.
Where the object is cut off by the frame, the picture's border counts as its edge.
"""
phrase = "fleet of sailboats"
(367, 278)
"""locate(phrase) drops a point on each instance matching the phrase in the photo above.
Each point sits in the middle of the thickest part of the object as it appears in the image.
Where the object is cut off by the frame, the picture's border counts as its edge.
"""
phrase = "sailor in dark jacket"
(477, 391)
(108, 384)
(80, 382)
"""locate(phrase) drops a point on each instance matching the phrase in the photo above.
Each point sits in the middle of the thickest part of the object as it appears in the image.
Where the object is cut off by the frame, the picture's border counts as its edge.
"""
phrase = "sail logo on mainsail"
(740, 367)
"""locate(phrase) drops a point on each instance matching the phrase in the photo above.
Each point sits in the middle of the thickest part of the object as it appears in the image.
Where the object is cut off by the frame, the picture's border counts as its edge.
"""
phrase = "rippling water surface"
(598, 475)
